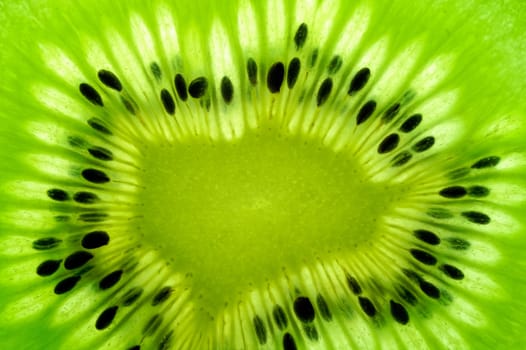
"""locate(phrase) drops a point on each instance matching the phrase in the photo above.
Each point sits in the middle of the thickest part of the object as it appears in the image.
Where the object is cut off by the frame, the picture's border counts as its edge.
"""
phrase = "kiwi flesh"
(274, 175)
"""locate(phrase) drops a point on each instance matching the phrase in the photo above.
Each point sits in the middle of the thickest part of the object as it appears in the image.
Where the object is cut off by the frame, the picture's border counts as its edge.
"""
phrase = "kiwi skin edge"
(43, 142)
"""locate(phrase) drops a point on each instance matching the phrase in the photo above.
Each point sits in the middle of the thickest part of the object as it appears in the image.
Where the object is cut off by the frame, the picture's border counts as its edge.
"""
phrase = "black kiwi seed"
(132, 296)
(95, 176)
(399, 312)
(162, 295)
(77, 259)
(48, 267)
(367, 306)
(424, 144)
(423, 257)
(95, 239)
(411, 123)
(427, 237)
(391, 112)
(135, 347)
(46, 243)
(452, 271)
(478, 191)
(365, 112)
(293, 72)
(335, 64)
(261, 331)
(359, 80)
(275, 76)
(324, 91)
(98, 125)
(311, 331)
(429, 289)
(488, 162)
(453, 192)
(458, 243)
(353, 285)
(280, 318)
(106, 318)
(252, 71)
(389, 143)
(301, 36)
(85, 197)
(401, 158)
(101, 153)
(57, 194)
(313, 57)
(156, 70)
(288, 342)
(303, 309)
(180, 87)
(91, 94)
(109, 79)
(198, 87)
(66, 285)
(476, 217)
(110, 280)
(168, 101)
(227, 90)
(323, 307)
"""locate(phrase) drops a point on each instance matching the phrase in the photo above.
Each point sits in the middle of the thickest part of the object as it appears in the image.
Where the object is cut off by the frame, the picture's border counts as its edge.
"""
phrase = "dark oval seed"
(101, 153)
(353, 285)
(98, 125)
(131, 296)
(91, 94)
(427, 237)
(324, 308)
(311, 331)
(391, 113)
(261, 331)
(85, 197)
(275, 76)
(48, 267)
(162, 295)
(411, 123)
(399, 312)
(293, 72)
(156, 70)
(288, 342)
(106, 318)
(109, 79)
(66, 285)
(110, 280)
(58, 195)
(95, 176)
(168, 102)
(335, 64)
(476, 217)
(301, 36)
(423, 257)
(365, 112)
(453, 192)
(424, 144)
(313, 57)
(136, 347)
(389, 143)
(367, 306)
(478, 191)
(227, 90)
(180, 87)
(77, 259)
(452, 271)
(359, 80)
(280, 317)
(429, 289)
(401, 159)
(303, 309)
(198, 87)
(488, 162)
(46, 243)
(324, 91)
(252, 71)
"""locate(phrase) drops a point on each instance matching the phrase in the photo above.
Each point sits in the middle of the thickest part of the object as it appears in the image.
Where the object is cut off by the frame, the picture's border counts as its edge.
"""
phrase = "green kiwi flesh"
(273, 175)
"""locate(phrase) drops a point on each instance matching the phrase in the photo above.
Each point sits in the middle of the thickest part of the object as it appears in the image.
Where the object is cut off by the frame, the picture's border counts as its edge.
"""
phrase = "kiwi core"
(231, 215)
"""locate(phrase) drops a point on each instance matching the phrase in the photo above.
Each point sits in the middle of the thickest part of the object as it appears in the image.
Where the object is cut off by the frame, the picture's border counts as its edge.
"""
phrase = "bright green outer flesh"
(274, 174)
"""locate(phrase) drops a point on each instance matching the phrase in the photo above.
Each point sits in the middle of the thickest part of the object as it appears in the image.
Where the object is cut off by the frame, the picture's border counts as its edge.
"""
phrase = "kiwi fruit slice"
(262, 175)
